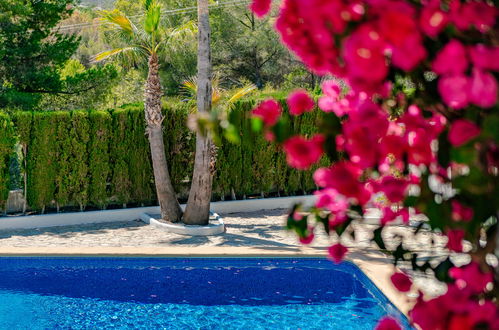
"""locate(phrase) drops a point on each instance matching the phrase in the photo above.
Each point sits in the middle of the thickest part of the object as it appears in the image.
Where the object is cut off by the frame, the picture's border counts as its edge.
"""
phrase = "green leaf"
(399, 253)
(442, 271)
(151, 22)
(411, 201)
(232, 135)
(324, 221)
(300, 226)
(444, 148)
(490, 127)
(438, 214)
(341, 228)
(282, 130)
(256, 124)
(378, 239)
(463, 155)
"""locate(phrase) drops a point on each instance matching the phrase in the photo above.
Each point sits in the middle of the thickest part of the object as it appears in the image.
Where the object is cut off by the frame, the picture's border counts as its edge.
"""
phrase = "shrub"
(99, 166)
(6, 150)
(41, 161)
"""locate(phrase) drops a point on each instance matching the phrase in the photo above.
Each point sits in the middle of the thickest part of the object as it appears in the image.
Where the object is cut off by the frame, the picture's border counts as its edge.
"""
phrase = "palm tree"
(145, 43)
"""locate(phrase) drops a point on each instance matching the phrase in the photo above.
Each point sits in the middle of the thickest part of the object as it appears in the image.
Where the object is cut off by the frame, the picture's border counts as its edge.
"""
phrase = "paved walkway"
(256, 233)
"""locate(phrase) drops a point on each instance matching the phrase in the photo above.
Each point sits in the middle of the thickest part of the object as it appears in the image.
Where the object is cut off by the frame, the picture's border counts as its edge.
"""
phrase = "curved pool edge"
(374, 265)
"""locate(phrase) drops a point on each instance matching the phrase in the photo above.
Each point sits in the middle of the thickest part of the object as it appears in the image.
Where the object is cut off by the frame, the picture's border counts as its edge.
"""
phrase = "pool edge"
(375, 265)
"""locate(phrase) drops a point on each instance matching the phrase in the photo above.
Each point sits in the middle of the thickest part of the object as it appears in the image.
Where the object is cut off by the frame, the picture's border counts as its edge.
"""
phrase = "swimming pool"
(192, 293)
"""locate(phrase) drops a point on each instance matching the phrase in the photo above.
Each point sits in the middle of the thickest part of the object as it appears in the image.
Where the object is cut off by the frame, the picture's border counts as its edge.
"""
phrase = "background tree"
(145, 44)
(32, 53)
(197, 211)
(245, 47)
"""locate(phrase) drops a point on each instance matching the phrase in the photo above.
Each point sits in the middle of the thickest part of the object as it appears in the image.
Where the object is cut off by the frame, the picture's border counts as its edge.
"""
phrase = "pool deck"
(251, 234)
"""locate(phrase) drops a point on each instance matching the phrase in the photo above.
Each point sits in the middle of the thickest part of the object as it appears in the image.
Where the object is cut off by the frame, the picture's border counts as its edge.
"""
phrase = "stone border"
(132, 214)
(215, 227)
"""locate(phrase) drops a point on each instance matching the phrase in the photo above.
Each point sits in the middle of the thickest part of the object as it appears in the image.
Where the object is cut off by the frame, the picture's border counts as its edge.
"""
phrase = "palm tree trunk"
(170, 208)
(197, 211)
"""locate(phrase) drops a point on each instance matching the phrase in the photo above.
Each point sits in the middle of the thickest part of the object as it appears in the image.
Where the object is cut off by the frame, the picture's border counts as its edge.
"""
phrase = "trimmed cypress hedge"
(101, 159)
(42, 160)
(6, 150)
(99, 165)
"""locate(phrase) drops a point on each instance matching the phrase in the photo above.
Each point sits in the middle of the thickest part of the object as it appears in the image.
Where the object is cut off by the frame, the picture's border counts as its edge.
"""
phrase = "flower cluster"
(416, 132)
(458, 308)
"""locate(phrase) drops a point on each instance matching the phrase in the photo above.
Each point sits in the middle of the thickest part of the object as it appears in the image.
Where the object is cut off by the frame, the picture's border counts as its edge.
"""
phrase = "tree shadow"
(72, 230)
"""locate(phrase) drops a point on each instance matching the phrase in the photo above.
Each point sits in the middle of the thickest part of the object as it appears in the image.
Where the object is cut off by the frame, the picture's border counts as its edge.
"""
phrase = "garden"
(374, 122)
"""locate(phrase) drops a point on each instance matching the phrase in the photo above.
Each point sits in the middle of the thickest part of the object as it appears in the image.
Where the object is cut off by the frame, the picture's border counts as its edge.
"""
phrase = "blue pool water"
(195, 293)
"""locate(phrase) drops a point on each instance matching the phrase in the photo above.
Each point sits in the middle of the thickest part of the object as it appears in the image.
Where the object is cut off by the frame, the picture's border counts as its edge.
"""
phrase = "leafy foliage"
(77, 159)
(33, 53)
(6, 150)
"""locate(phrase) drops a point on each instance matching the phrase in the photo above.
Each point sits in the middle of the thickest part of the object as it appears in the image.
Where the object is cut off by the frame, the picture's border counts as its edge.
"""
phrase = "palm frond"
(190, 86)
(146, 4)
(240, 93)
(153, 16)
(116, 51)
(182, 32)
(118, 20)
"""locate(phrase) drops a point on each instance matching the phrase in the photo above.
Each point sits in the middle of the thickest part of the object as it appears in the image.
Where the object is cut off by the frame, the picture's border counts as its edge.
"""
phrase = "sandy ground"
(255, 233)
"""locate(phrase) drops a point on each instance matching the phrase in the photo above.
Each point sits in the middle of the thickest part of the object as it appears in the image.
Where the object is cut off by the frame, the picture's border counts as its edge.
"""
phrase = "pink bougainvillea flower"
(337, 219)
(330, 102)
(388, 323)
(461, 212)
(455, 239)
(344, 177)
(269, 136)
(471, 277)
(484, 57)
(476, 14)
(461, 131)
(401, 281)
(331, 88)
(460, 322)
(297, 216)
(269, 111)
(428, 314)
(452, 59)
(454, 90)
(419, 147)
(337, 252)
(396, 21)
(433, 20)
(389, 215)
(483, 89)
(393, 188)
(392, 145)
(330, 199)
(326, 103)
(358, 144)
(302, 153)
(309, 238)
(364, 52)
(409, 54)
(260, 7)
(484, 314)
(299, 102)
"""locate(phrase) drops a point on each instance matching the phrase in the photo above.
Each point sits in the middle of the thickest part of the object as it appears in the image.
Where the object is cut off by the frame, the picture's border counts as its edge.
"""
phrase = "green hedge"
(7, 142)
(101, 159)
